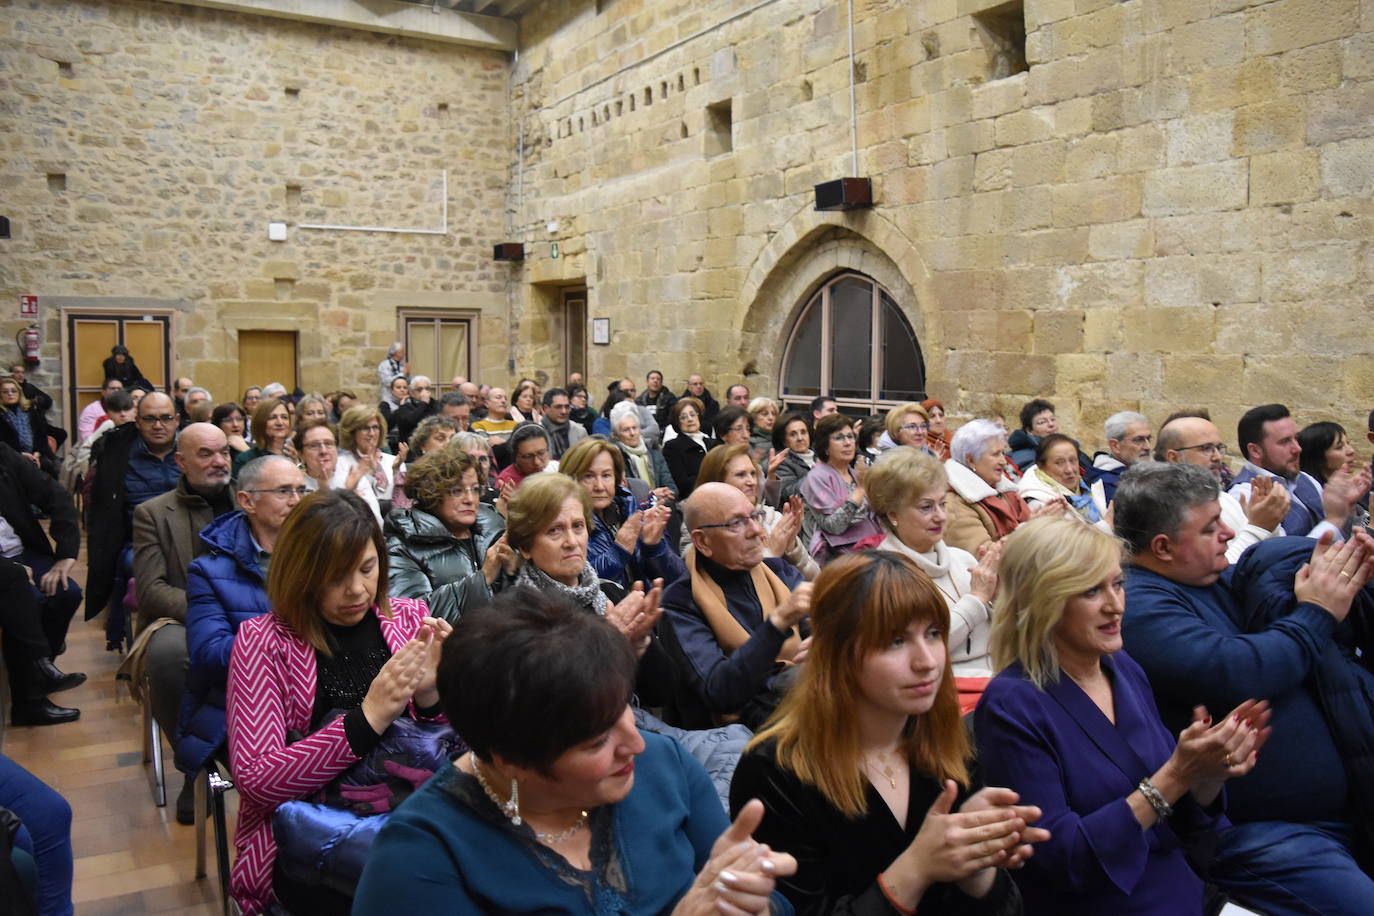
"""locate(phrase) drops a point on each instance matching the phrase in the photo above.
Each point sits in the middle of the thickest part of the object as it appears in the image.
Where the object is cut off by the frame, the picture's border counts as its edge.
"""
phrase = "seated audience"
(1269, 441)
(643, 460)
(557, 422)
(581, 414)
(763, 416)
(707, 407)
(822, 406)
(731, 425)
(837, 514)
(476, 445)
(529, 446)
(627, 543)
(24, 427)
(334, 641)
(498, 424)
(447, 549)
(433, 434)
(407, 416)
(1056, 475)
(908, 491)
(735, 465)
(562, 804)
(319, 453)
(738, 395)
(118, 408)
(525, 403)
(133, 464)
(228, 418)
(311, 407)
(870, 429)
(94, 412)
(167, 538)
(864, 772)
(339, 403)
(1194, 440)
(906, 424)
(656, 397)
(1128, 441)
(1037, 421)
(1071, 726)
(686, 450)
(1205, 633)
(792, 458)
(937, 437)
(361, 434)
(457, 407)
(735, 614)
(397, 395)
(984, 504)
(271, 432)
(44, 833)
(226, 586)
(1327, 453)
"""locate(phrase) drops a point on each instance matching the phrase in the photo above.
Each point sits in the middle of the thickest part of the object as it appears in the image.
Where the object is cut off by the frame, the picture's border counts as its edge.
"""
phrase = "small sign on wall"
(28, 307)
(601, 330)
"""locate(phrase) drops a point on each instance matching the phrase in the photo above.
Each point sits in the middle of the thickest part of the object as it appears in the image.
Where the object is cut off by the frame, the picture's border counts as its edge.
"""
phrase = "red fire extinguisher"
(28, 341)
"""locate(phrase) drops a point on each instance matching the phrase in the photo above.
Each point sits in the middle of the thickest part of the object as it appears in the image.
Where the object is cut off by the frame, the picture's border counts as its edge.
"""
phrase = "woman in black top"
(685, 451)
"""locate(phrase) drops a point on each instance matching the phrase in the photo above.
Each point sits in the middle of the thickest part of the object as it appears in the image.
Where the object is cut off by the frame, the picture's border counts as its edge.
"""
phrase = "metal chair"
(211, 784)
(152, 748)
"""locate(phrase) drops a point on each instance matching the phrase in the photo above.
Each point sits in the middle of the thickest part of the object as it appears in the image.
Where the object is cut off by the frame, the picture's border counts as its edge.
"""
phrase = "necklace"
(512, 811)
(888, 774)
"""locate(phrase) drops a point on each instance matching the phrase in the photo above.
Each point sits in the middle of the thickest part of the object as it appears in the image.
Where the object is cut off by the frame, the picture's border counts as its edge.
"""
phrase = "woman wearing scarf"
(25, 429)
(643, 461)
(1056, 474)
(685, 451)
(984, 506)
(937, 439)
(837, 513)
(791, 458)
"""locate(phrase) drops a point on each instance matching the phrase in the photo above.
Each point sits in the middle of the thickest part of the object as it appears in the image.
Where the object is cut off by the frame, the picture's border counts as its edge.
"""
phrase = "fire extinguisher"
(28, 341)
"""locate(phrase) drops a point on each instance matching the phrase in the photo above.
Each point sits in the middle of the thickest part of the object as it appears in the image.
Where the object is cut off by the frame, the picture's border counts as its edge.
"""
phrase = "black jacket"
(405, 418)
(39, 424)
(107, 524)
(708, 402)
(22, 485)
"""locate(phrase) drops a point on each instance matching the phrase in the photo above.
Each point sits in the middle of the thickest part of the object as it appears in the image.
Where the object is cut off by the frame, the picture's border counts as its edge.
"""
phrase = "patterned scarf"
(585, 594)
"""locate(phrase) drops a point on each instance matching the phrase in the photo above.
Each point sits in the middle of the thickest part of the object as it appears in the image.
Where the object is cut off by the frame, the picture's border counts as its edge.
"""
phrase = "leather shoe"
(41, 712)
(186, 802)
(47, 679)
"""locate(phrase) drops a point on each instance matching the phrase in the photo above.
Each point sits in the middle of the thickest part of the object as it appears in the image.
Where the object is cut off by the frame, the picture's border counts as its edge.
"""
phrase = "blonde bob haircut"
(1044, 563)
(24, 403)
(902, 477)
(897, 416)
(354, 419)
(577, 460)
(861, 603)
(537, 503)
(718, 459)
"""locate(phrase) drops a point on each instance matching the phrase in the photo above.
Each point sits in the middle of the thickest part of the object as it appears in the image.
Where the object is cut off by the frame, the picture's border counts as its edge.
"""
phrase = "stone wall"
(179, 131)
(1170, 208)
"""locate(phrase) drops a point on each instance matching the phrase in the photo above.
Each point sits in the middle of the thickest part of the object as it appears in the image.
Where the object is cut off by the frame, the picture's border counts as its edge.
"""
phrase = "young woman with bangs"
(864, 769)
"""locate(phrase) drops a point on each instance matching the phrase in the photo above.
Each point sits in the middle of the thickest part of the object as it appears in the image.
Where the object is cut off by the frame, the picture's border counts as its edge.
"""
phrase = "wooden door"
(439, 346)
(266, 357)
(574, 333)
(90, 335)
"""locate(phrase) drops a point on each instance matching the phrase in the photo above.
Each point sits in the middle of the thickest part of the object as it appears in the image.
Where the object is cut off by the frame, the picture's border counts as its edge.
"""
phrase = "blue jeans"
(46, 834)
(1289, 869)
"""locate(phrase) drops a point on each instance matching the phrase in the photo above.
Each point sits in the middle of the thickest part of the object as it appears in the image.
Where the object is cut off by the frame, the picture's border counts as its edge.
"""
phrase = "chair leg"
(153, 743)
(202, 802)
(218, 786)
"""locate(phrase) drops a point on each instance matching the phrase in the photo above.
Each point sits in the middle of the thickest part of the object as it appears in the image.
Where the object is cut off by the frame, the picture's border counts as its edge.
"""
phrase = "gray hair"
(1117, 423)
(1153, 498)
(620, 411)
(972, 440)
(467, 439)
(759, 404)
(273, 390)
(395, 347)
(250, 475)
(198, 390)
(425, 429)
(416, 379)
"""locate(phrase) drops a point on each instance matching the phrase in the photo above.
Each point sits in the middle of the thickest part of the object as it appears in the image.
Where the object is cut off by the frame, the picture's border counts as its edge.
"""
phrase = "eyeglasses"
(320, 446)
(160, 420)
(374, 428)
(533, 456)
(844, 437)
(421, 388)
(687, 415)
(465, 491)
(283, 492)
(915, 428)
(1141, 440)
(1209, 448)
(738, 523)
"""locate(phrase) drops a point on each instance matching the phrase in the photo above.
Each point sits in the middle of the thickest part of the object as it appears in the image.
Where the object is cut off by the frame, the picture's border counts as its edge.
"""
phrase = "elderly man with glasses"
(166, 537)
(131, 465)
(1128, 440)
(737, 616)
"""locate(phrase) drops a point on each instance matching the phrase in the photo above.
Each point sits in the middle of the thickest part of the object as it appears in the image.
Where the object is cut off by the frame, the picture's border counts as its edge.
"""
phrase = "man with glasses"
(225, 586)
(166, 537)
(529, 446)
(1194, 440)
(1128, 440)
(422, 404)
(557, 422)
(131, 465)
(736, 615)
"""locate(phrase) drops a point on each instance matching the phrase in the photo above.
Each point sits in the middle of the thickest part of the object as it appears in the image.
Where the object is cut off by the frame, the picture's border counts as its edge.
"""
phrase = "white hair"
(620, 411)
(274, 390)
(416, 379)
(971, 441)
(395, 347)
(1118, 423)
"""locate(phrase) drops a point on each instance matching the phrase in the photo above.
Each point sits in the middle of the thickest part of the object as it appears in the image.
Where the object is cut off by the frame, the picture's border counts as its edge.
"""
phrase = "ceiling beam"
(390, 17)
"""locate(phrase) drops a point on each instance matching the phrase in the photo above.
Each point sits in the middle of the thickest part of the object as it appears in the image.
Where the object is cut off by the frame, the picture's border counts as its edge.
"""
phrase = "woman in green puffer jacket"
(448, 548)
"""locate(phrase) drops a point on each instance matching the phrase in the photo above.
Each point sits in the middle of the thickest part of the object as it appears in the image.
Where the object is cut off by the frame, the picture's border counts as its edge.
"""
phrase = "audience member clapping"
(837, 514)
(984, 504)
(643, 459)
(361, 434)
(792, 457)
(1057, 475)
(735, 465)
(686, 450)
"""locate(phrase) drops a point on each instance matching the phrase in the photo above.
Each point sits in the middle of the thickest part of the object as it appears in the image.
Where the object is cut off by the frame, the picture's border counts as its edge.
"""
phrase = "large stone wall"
(1171, 208)
(179, 130)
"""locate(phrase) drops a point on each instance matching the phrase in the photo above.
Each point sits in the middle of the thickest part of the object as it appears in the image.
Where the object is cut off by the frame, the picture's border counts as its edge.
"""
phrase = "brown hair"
(862, 601)
(826, 427)
(681, 404)
(298, 439)
(577, 460)
(260, 415)
(537, 502)
(718, 459)
(431, 477)
(319, 544)
(354, 419)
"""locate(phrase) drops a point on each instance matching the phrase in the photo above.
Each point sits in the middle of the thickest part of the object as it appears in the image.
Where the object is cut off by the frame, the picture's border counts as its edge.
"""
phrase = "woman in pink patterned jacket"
(334, 641)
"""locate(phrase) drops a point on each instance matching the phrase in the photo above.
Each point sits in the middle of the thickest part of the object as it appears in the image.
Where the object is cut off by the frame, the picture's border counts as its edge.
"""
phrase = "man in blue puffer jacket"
(223, 589)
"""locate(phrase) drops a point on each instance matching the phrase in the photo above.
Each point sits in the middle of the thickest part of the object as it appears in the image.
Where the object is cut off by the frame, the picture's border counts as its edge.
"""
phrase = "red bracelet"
(893, 900)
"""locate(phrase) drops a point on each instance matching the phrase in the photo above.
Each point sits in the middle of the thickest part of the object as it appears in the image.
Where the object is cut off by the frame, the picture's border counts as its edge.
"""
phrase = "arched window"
(853, 343)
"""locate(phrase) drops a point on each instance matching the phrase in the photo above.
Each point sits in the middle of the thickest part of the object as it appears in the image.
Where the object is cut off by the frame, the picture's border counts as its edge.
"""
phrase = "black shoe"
(186, 802)
(46, 679)
(41, 712)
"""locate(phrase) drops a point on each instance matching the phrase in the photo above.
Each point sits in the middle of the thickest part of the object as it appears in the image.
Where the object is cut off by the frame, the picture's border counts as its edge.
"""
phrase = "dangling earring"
(511, 808)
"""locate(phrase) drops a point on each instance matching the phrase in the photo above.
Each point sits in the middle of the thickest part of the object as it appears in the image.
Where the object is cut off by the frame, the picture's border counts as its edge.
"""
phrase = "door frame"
(473, 318)
(70, 313)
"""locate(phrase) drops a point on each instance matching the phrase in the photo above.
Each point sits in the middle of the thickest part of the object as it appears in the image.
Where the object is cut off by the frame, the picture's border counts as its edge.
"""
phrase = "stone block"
(1047, 246)
(1200, 138)
(1348, 168)
(1357, 56)
(972, 137)
(1311, 69)
(1103, 331)
(1134, 376)
(1103, 200)
(1043, 12)
(1268, 126)
(1085, 371)
(992, 170)
(1288, 380)
(1307, 273)
(1194, 189)
(1341, 114)
(1141, 148)
(1121, 241)
(1091, 157)
(1110, 284)
(1022, 127)
(999, 97)
(1229, 87)
(1238, 230)
(1323, 326)
(1020, 372)
(1207, 44)
(1288, 24)
(1029, 288)
(1169, 330)
(1058, 331)
(1193, 379)
(1284, 178)
(1037, 164)
(1162, 15)
(911, 117)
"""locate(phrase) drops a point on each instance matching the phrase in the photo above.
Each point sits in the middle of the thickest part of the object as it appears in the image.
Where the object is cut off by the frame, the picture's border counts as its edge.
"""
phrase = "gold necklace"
(549, 839)
(888, 774)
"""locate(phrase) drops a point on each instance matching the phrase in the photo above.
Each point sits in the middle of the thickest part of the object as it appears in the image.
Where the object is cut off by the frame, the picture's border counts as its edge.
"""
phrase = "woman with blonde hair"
(763, 416)
(25, 429)
(271, 428)
(362, 430)
(1071, 724)
(735, 465)
(863, 771)
(905, 424)
(908, 492)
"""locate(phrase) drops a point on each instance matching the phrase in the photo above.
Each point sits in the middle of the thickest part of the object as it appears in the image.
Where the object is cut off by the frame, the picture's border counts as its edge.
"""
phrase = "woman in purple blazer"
(1071, 725)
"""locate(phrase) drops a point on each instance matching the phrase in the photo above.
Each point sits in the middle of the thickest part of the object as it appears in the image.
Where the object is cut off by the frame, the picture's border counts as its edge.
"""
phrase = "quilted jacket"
(429, 563)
